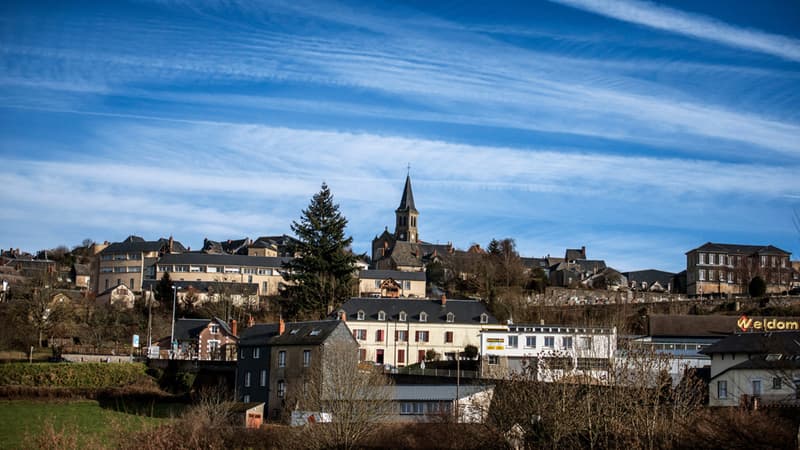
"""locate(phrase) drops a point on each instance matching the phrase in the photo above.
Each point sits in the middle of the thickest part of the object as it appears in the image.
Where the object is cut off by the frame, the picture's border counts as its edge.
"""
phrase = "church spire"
(407, 201)
(406, 213)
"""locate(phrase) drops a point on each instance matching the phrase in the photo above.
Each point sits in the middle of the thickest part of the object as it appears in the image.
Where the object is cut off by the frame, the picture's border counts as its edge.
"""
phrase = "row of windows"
(549, 342)
(714, 275)
(120, 256)
(756, 390)
(423, 316)
(120, 269)
(401, 335)
(735, 260)
(215, 269)
(280, 385)
(420, 408)
(256, 354)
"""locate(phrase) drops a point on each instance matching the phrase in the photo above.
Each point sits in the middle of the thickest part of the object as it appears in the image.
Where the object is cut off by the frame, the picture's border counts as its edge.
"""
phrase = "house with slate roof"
(131, 261)
(391, 284)
(755, 369)
(278, 360)
(263, 271)
(203, 339)
(399, 331)
(715, 269)
(651, 280)
(403, 250)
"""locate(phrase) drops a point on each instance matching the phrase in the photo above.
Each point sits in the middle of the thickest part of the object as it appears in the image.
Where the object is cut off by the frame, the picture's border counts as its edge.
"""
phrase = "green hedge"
(84, 375)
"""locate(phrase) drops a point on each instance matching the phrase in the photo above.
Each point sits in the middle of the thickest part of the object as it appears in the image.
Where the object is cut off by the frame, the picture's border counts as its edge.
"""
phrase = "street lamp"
(172, 333)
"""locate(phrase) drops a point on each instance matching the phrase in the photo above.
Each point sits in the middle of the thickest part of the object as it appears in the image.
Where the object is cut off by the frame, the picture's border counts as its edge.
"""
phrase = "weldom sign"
(748, 324)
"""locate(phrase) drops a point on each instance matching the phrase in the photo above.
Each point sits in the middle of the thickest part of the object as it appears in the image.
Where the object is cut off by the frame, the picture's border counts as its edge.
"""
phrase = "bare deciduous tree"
(357, 399)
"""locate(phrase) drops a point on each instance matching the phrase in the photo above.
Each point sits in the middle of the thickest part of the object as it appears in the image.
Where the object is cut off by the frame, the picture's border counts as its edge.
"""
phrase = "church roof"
(407, 201)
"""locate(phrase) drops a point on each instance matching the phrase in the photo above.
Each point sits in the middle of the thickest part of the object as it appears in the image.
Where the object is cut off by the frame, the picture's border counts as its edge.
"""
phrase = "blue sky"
(640, 130)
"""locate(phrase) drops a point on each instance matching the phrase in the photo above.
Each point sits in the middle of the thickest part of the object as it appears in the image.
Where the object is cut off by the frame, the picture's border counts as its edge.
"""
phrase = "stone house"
(726, 269)
(279, 360)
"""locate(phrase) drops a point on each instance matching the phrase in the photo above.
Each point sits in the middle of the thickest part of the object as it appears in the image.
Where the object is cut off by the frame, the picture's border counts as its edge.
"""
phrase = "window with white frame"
(423, 316)
(451, 317)
(722, 389)
(306, 358)
(282, 358)
(702, 274)
(214, 329)
(256, 353)
(263, 380)
(549, 341)
(246, 398)
(381, 315)
(402, 316)
(360, 315)
(566, 341)
(513, 341)
(360, 334)
(493, 360)
(281, 388)
(247, 379)
(422, 336)
(406, 285)
(401, 335)
(484, 318)
(530, 341)
(377, 283)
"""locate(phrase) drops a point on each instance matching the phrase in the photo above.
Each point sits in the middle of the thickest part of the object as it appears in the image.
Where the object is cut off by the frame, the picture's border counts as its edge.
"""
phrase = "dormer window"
(484, 318)
(381, 315)
(360, 315)
(451, 317)
(423, 317)
(402, 316)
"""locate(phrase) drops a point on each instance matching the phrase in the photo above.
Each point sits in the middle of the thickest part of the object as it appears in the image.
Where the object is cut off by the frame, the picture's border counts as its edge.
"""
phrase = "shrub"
(84, 375)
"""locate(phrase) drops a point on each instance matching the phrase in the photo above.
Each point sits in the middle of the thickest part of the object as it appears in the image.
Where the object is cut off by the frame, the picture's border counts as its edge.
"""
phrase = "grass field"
(22, 420)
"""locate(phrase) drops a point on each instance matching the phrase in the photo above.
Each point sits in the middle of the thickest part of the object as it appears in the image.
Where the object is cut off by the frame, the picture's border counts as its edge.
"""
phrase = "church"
(403, 250)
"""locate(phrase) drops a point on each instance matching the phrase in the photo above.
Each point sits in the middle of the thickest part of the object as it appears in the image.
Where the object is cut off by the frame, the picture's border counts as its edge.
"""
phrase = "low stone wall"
(76, 358)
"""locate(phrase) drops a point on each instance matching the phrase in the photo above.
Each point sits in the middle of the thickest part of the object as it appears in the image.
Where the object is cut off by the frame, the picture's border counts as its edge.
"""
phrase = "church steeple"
(406, 213)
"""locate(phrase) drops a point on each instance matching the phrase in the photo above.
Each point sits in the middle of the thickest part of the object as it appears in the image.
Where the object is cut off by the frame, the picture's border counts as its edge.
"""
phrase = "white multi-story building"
(400, 332)
(546, 352)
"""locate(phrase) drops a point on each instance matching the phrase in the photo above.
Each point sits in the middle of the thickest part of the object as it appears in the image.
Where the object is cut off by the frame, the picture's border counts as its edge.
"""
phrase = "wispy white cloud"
(694, 25)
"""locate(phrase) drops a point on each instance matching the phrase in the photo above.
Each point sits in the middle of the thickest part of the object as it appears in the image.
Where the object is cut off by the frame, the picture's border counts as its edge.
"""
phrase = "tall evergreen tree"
(321, 274)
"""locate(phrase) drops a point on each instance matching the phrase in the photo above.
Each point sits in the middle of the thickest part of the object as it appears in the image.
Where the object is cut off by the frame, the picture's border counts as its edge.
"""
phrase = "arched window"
(381, 315)
(402, 316)
(484, 318)
(360, 315)
(451, 317)
(423, 316)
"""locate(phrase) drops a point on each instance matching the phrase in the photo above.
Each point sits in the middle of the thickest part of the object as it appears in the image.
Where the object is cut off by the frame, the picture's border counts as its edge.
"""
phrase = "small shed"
(251, 414)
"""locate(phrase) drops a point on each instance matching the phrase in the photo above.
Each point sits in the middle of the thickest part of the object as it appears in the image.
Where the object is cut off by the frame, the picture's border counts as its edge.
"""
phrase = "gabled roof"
(186, 329)
(82, 269)
(740, 249)
(407, 200)
(222, 260)
(232, 247)
(464, 311)
(575, 253)
(295, 333)
(782, 342)
(393, 274)
(135, 244)
(650, 276)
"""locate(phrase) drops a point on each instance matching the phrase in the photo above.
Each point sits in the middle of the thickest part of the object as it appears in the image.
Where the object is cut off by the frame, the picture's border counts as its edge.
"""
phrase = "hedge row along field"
(84, 375)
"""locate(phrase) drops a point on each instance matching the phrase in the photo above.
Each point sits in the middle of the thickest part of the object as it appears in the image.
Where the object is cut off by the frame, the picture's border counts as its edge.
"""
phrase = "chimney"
(171, 242)
(250, 321)
(281, 326)
(541, 321)
(343, 316)
(234, 328)
(444, 300)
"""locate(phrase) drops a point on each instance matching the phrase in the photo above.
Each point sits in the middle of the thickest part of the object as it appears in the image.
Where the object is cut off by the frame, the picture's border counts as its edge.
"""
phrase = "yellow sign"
(747, 324)
(495, 340)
